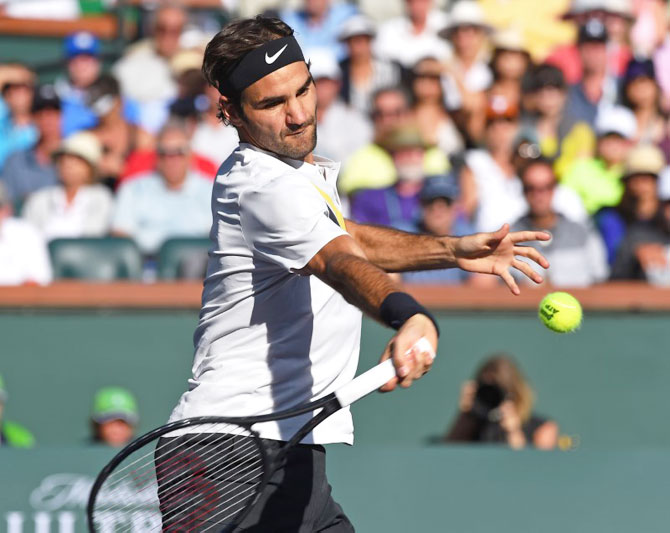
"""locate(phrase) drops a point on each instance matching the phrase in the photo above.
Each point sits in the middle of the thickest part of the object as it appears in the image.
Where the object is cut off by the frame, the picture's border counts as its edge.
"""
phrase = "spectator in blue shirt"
(318, 24)
(171, 201)
(82, 51)
(31, 169)
(17, 130)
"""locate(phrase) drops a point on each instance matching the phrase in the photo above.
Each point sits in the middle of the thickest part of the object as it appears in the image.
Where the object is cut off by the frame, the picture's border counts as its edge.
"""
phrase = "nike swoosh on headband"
(271, 59)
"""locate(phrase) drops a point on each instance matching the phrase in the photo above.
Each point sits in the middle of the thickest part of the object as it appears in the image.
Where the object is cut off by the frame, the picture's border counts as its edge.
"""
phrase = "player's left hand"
(494, 253)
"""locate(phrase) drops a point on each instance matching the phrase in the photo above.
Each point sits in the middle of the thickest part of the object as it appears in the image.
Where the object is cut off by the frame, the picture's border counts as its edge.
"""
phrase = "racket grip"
(374, 378)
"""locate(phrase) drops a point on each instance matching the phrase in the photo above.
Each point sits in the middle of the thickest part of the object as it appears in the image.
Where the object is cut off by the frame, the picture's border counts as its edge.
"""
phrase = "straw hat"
(84, 145)
(644, 159)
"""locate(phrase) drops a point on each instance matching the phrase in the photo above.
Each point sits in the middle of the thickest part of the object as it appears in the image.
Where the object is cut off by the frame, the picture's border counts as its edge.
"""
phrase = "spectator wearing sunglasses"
(170, 201)
(576, 251)
(17, 131)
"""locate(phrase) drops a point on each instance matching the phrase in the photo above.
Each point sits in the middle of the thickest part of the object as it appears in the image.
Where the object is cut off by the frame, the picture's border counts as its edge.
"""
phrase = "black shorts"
(297, 498)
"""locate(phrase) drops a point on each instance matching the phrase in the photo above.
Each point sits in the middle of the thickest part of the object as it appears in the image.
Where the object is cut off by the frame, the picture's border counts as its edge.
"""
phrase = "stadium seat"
(183, 258)
(96, 259)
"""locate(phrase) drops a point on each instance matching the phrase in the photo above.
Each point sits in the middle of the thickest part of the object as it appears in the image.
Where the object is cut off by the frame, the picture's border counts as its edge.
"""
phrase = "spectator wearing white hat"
(409, 38)
(23, 252)
(468, 72)
(363, 72)
(598, 179)
(77, 207)
(640, 214)
(341, 129)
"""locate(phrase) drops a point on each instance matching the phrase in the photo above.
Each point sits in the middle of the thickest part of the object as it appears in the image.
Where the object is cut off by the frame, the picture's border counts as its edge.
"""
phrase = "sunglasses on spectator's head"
(165, 151)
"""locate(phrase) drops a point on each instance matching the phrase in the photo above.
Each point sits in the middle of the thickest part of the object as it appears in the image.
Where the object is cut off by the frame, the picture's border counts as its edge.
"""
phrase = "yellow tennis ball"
(560, 312)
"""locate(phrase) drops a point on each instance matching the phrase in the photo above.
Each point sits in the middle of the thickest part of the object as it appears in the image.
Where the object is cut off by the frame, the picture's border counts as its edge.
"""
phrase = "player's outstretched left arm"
(486, 253)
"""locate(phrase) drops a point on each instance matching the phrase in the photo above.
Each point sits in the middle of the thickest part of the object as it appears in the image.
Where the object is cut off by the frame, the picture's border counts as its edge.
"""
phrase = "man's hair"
(174, 123)
(541, 161)
(231, 44)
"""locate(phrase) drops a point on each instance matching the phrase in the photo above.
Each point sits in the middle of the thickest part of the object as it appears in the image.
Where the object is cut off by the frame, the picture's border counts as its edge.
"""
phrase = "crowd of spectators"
(445, 119)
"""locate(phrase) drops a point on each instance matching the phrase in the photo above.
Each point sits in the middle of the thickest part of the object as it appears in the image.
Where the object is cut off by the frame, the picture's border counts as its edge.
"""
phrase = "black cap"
(592, 31)
(45, 98)
(439, 186)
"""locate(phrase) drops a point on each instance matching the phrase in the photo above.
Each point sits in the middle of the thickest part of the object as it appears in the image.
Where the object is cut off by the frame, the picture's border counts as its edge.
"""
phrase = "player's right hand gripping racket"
(205, 473)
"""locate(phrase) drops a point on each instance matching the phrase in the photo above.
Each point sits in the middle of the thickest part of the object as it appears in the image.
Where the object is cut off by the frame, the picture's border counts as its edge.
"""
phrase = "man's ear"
(229, 111)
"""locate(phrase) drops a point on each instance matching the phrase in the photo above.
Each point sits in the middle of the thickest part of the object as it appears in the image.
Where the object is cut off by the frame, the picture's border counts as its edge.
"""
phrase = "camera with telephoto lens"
(487, 401)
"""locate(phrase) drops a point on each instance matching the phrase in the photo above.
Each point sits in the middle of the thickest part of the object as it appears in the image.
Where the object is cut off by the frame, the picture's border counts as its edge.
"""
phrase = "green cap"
(114, 403)
(3, 391)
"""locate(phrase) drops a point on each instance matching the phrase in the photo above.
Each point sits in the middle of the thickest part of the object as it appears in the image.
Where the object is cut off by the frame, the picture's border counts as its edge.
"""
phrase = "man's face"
(438, 216)
(594, 56)
(359, 46)
(317, 8)
(169, 26)
(48, 122)
(408, 162)
(549, 101)
(390, 111)
(642, 186)
(613, 148)
(115, 432)
(500, 133)
(83, 70)
(468, 40)
(279, 112)
(539, 183)
(174, 156)
(19, 96)
(73, 170)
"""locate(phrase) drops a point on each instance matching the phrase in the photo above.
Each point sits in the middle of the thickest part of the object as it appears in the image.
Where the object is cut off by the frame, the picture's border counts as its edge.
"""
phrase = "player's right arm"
(342, 264)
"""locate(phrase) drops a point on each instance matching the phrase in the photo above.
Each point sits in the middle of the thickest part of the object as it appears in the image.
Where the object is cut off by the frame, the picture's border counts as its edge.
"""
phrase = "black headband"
(262, 61)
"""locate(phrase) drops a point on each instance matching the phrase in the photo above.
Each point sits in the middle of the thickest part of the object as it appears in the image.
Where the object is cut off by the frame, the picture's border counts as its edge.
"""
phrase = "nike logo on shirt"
(271, 59)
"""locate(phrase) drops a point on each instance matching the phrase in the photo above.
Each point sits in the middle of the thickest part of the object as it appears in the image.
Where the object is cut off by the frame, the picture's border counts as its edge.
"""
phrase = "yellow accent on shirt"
(336, 211)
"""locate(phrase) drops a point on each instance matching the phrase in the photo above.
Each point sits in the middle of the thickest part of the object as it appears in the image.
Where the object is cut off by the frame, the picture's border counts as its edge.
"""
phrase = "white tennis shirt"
(269, 339)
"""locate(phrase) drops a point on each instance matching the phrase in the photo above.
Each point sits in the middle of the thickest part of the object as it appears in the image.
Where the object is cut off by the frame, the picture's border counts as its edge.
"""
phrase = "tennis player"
(288, 276)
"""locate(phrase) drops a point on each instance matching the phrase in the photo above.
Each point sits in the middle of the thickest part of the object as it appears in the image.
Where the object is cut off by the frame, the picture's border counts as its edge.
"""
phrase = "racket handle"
(374, 378)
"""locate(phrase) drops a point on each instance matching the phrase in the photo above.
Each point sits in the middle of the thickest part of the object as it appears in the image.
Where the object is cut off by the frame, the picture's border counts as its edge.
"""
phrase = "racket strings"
(196, 481)
(192, 481)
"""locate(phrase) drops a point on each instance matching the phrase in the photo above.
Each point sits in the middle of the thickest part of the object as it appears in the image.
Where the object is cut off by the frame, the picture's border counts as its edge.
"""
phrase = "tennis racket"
(206, 473)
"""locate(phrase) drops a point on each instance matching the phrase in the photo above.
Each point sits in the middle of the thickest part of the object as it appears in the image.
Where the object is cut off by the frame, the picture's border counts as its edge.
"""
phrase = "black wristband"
(398, 307)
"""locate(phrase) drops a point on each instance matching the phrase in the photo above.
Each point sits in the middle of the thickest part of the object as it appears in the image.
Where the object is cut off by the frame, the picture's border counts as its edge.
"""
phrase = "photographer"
(496, 407)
